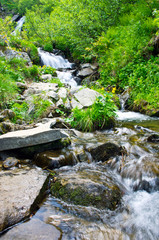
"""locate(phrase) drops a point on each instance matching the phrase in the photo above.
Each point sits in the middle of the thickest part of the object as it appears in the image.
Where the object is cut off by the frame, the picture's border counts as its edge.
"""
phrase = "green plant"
(40, 108)
(8, 89)
(21, 111)
(48, 47)
(57, 81)
(48, 70)
(100, 115)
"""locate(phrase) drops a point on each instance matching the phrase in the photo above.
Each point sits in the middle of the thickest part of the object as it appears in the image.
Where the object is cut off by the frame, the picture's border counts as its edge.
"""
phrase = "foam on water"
(55, 61)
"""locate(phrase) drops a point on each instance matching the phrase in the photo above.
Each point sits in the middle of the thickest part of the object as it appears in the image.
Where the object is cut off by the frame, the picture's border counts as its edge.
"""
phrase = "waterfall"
(123, 98)
(55, 61)
(63, 66)
(19, 25)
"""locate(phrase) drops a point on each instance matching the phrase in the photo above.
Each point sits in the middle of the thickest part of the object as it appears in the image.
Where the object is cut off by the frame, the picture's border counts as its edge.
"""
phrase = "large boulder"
(10, 53)
(55, 159)
(20, 191)
(86, 96)
(104, 151)
(85, 72)
(36, 88)
(31, 137)
(86, 187)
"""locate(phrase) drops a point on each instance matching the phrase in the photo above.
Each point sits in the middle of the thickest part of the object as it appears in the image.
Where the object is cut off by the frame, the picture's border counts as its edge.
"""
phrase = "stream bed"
(136, 174)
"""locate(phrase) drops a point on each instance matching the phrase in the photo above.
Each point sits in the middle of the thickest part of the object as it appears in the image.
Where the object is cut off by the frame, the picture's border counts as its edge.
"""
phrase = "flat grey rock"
(86, 96)
(31, 137)
(18, 190)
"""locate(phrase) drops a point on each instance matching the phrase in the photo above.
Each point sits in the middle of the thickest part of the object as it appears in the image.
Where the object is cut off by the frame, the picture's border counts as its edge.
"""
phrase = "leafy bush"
(8, 89)
(99, 116)
(48, 47)
(21, 111)
(41, 107)
(48, 70)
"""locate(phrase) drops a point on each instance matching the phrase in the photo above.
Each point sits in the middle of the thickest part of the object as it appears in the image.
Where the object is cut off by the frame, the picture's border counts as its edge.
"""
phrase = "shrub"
(8, 89)
(21, 111)
(48, 47)
(48, 70)
(99, 116)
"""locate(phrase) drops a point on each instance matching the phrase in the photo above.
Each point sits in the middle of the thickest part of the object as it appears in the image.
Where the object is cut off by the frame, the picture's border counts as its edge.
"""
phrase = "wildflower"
(114, 89)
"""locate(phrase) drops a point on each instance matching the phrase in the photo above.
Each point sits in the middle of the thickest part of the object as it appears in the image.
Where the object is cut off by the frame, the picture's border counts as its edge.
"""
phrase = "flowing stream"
(136, 174)
(136, 218)
(63, 66)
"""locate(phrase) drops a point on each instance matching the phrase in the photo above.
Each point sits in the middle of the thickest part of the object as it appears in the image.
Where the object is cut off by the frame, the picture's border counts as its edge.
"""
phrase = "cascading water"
(55, 61)
(136, 174)
(19, 25)
(63, 66)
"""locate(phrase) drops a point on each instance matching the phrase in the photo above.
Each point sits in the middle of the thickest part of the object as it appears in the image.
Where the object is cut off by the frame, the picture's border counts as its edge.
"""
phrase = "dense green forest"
(122, 36)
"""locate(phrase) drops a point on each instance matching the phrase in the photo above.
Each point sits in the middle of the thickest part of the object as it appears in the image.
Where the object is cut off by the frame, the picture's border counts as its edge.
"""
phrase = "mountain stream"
(136, 174)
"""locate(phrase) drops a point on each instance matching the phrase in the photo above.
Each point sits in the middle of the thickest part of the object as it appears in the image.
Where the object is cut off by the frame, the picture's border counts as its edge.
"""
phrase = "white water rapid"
(19, 25)
(63, 66)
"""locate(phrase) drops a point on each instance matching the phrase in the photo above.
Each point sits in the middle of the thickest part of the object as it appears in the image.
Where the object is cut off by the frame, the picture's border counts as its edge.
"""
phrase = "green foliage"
(26, 4)
(26, 46)
(34, 71)
(8, 89)
(57, 81)
(21, 111)
(41, 106)
(100, 115)
(48, 70)
(143, 77)
(48, 47)
(10, 4)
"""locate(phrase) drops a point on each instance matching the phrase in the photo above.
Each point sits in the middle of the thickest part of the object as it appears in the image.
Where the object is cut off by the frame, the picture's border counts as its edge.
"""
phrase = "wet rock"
(31, 137)
(144, 166)
(143, 185)
(58, 123)
(10, 162)
(86, 96)
(33, 230)
(15, 17)
(86, 187)
(8, 113)
(153, 138)
(7, 126)
(55, 159)
(78, 80)
(104, 151)
(19, 193)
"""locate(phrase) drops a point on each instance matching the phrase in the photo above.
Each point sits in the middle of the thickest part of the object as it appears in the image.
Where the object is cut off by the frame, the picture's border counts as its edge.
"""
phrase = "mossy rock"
(87, 188)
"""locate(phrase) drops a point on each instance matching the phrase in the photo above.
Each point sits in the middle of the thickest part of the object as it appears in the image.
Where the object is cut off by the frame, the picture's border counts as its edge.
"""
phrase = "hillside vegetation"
(120, 35)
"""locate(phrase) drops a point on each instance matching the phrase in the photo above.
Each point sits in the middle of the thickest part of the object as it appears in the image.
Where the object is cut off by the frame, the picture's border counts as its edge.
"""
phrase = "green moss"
(79, 196)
